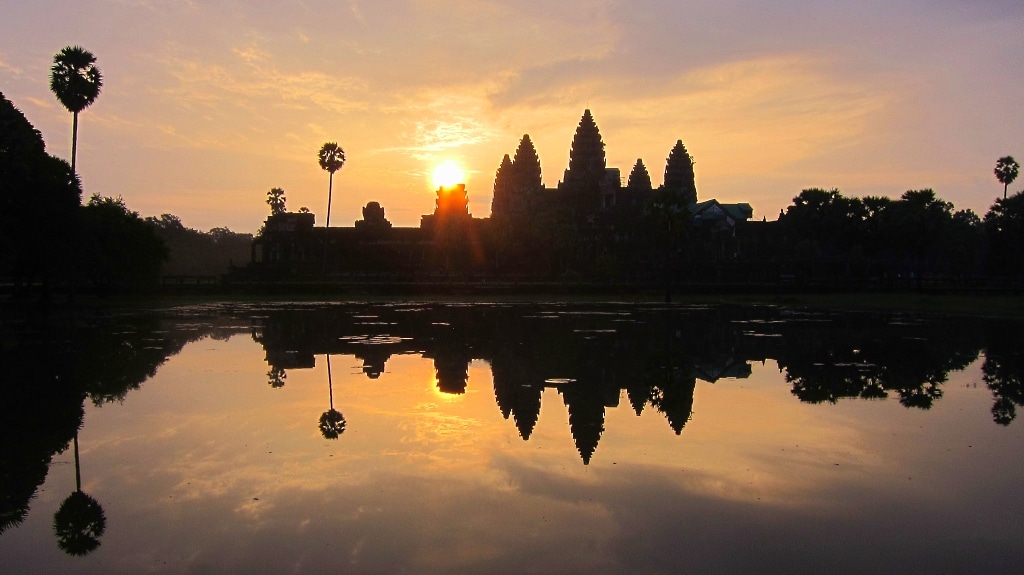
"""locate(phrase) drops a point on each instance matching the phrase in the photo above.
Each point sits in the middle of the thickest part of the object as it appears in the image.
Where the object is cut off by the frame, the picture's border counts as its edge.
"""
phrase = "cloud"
(40, 103)
(254, 83)
(873, 95)
(9, 68)
(357, 13)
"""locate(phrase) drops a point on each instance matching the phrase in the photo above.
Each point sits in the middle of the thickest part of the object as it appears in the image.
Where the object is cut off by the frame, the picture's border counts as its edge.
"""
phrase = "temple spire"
(502, 188)
(526, 167)
(639, 178)
(679, 175)
(586, 158)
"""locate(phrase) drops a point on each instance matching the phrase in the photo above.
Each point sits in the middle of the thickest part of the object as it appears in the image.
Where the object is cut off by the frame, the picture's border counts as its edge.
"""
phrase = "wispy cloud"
(41, 103)
(254, 83)
(6, 66)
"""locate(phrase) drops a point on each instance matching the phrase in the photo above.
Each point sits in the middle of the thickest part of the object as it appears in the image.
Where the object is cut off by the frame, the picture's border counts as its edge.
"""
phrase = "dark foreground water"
(408, 438)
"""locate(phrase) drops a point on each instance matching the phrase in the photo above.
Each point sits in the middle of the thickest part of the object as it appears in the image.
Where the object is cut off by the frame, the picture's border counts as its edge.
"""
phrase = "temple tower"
(517, 183)
(679, 176)
(586, 157)
(501, 202)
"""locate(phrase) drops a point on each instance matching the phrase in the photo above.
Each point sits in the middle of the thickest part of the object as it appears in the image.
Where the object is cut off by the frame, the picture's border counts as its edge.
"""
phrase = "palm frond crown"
(74, 78)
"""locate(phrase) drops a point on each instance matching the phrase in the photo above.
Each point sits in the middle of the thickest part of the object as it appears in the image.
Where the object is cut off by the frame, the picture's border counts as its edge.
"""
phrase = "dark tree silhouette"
(192, 252)
(1006, 172)
(679, 176)
(332, 158)
(332, 422)
(19, 138)
(49, 369)
(276, 201)
(39, 201)
(1004, 226)
(276, 377)
(922, 234)
(79, 522)
(119, 247)
(824, 225)
(40, 410)
(816, 211)
(639, 178)
(1003, 370)
(75, 81)
(848, 357)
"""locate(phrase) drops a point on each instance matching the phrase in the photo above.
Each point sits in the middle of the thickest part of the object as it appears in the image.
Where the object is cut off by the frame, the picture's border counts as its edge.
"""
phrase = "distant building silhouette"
(589, 226)
(373, 218)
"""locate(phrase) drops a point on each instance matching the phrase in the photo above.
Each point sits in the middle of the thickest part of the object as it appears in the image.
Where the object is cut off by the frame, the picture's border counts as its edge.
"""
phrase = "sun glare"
(448, 174)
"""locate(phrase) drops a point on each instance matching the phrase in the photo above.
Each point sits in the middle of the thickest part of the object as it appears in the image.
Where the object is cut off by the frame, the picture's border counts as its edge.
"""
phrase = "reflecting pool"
(510, 438)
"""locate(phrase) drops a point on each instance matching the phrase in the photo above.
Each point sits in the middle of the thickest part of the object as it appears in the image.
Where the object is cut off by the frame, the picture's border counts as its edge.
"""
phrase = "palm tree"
(1006, 172)
(79, 522)
(332, 158)
(76, 81)
(332, 422)
(276, 201)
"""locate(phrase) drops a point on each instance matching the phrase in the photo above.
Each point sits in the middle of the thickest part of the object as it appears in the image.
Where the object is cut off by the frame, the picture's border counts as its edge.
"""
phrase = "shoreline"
(1006, 303)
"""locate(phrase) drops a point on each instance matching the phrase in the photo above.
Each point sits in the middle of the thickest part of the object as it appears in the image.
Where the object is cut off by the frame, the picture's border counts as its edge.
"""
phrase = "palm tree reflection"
(79, 522)
(332, 422)
(276, 377)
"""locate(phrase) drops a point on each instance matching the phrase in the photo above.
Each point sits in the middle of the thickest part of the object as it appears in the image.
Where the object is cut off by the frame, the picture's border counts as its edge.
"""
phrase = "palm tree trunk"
(330, 190)
(74, 143)
(78, 468)
(330, 383)
(327, 225)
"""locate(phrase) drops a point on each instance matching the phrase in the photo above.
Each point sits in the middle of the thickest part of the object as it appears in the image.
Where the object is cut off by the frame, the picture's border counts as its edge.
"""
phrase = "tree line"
(50, 239)
(916, 237)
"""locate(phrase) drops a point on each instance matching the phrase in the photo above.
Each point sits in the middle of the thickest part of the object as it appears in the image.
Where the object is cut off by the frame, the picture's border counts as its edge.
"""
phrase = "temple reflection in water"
(593, 356)
(600, 362)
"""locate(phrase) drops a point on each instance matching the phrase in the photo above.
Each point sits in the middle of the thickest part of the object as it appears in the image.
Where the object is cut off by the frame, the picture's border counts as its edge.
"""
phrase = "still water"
(526, 438)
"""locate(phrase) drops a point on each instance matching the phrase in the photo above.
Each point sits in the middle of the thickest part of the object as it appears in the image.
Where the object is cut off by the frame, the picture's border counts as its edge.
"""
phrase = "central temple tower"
(586, 157)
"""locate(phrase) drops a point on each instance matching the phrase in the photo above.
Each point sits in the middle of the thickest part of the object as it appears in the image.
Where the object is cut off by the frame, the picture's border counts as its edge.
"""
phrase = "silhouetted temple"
(590, 226)
(588, 356)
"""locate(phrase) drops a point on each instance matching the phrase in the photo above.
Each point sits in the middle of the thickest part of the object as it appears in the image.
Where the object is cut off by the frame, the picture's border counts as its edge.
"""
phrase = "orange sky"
(206, 106)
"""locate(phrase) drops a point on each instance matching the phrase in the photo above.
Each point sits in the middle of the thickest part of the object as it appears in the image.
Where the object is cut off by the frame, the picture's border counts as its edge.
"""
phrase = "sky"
(207, 105)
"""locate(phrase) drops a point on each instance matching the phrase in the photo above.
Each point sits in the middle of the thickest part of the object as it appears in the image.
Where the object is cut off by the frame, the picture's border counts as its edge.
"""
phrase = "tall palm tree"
(332, 422)
(1006, 172)
(79, 522)
(332, 158)
(76, 81)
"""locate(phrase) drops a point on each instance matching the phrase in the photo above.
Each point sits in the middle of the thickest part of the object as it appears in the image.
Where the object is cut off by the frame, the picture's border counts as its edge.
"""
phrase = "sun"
(448, 174)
